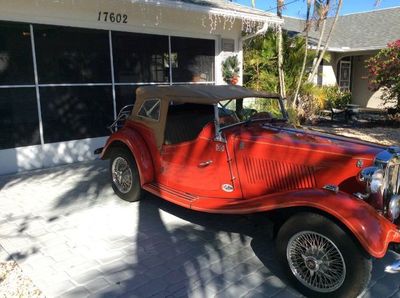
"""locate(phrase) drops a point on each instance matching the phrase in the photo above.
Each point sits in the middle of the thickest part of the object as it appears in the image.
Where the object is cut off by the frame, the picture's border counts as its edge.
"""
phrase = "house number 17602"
(112, 17)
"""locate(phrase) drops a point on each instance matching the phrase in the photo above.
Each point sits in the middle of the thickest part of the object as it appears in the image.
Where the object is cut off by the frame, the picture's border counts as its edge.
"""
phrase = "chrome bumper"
(393, 268)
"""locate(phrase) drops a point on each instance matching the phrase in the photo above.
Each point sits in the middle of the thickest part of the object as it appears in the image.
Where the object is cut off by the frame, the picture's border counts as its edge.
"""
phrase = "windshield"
(248, 109)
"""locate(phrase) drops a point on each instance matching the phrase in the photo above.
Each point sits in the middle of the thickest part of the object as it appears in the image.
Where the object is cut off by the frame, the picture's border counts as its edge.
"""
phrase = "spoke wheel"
(121, 175)
(320, 258)
(124, 175)
(316, 261)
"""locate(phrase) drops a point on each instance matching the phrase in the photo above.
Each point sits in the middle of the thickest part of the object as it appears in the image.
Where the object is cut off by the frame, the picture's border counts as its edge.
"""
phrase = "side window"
(150, 109)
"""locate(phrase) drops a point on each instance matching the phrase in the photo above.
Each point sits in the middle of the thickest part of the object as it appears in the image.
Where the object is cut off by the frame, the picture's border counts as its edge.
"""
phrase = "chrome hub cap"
(121, 175)
(316, 261)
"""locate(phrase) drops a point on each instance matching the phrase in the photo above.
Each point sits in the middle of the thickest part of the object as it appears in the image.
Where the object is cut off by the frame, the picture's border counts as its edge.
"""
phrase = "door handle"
(205, 163)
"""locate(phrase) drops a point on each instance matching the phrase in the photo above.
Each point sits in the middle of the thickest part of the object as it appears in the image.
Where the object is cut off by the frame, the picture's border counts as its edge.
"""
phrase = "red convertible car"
(229, 150)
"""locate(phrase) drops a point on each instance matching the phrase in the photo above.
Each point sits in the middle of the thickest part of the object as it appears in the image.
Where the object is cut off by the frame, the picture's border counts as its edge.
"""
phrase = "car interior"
(185, 122)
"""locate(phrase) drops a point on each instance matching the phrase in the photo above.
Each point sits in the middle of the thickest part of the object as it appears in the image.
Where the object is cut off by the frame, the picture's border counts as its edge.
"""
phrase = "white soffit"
(248, 19)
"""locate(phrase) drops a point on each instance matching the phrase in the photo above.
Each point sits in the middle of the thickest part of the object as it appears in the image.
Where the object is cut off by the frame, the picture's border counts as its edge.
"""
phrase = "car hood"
(312, 140)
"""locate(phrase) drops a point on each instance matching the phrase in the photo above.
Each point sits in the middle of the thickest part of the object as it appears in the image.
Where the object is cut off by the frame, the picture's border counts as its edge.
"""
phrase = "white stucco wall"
(361, 95)
(328, 75)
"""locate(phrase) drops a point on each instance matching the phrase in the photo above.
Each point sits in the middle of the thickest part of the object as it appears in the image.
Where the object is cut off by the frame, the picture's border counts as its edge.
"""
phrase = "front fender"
(135, 143)
(373, 231)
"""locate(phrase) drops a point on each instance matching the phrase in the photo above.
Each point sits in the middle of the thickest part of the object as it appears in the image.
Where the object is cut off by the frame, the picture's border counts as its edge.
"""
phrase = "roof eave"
(360, 49)
(213, 10)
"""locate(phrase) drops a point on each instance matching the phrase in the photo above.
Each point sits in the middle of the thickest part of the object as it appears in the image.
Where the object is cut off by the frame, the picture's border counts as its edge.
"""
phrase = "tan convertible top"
(202, 94)
(198, 94)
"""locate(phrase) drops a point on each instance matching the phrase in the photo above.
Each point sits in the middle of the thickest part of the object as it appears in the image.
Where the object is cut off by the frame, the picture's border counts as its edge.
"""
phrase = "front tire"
(124, 175)
(321, 259)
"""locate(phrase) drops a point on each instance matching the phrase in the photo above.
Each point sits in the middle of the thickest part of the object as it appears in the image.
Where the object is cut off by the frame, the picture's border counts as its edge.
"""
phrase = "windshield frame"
(219, 129)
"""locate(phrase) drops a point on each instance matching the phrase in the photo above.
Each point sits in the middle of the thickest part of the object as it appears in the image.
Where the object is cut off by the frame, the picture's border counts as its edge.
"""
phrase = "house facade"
(68, 67)
(356, 38)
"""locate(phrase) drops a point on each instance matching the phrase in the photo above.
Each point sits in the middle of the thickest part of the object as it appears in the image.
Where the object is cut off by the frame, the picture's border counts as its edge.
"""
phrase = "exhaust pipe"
(394, 268)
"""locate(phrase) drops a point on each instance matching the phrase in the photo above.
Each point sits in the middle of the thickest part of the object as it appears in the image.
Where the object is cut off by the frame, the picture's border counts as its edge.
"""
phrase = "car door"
(199, 167)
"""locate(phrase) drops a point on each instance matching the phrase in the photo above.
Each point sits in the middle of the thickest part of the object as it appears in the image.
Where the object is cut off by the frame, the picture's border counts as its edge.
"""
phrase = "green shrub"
(336, 99)
(384, 70)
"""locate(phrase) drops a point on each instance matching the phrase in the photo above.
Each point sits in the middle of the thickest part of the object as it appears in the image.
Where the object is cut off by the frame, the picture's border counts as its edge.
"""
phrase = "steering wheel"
(227, 119)
(261, 115)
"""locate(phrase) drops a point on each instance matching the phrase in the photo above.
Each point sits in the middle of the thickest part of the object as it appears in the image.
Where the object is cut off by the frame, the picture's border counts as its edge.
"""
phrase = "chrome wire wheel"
(121, 175)
(316, 261)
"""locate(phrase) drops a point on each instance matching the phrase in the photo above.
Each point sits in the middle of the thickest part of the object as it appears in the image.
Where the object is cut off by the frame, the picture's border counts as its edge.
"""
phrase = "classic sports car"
(228, 149)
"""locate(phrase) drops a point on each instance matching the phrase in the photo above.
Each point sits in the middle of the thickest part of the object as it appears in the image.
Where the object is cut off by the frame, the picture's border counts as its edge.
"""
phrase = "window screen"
(150, 109)
(72, 55)
(140, 57)
(125, 95)
(194, 59)
(71, 113)
(16, 61)
(19, 124)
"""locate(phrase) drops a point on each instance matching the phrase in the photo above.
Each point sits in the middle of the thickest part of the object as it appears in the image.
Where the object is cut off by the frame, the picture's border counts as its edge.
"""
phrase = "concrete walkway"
(74, 238)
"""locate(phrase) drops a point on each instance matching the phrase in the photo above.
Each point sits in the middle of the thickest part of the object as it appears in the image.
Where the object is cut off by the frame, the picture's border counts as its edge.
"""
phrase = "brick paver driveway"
(74, 237)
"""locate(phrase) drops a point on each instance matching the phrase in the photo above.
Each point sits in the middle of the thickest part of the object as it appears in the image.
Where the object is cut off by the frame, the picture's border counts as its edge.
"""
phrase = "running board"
(175, 196)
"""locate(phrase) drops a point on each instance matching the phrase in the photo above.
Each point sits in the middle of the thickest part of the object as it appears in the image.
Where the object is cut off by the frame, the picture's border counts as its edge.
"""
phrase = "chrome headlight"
(394, 207)
(365, 175)
(372, 178)
(377, 181)
(382, 183)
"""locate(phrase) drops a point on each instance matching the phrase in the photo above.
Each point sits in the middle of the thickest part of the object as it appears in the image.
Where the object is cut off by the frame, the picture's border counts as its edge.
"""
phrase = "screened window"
(140, 57)
(72, 55)
(71, 113)
(194, 59)
(19, 124)
(125, 95)
(150, 109)
(75, 83)
(16, 61)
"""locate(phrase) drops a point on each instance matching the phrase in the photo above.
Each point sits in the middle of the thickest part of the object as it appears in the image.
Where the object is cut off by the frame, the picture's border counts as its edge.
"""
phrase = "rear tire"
(124, 175)
(321, 259)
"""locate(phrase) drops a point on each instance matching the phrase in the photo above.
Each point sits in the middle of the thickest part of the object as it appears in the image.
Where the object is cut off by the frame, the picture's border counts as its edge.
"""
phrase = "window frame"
(158, 102)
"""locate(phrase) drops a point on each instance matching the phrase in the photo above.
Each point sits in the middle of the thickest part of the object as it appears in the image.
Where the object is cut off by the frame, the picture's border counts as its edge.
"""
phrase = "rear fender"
(133, 141)
(373, 231)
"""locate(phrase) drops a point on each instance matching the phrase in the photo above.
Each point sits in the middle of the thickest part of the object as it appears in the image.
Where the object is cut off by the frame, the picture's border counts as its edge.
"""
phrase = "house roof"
(218, 7)
(356, 32)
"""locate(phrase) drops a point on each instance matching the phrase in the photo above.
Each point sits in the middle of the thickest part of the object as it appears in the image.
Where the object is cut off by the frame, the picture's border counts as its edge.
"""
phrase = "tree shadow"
(178, 252)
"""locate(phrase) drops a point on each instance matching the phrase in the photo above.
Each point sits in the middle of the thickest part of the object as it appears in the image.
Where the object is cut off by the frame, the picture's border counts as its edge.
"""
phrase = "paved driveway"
(74, 237)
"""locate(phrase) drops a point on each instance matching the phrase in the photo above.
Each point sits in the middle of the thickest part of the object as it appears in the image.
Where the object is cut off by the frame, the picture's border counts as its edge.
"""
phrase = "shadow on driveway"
(165, 251)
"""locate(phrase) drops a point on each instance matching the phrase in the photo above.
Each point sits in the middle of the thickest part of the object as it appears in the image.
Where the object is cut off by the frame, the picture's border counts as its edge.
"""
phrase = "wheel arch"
(114, 145)
(136, 146)
(285, 213)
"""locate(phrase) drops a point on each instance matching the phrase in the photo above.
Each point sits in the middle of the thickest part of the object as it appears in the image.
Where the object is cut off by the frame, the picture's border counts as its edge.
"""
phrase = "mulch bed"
(13, 283)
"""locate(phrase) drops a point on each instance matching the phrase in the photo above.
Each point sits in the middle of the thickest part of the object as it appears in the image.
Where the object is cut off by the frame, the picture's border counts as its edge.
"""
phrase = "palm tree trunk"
(322, 15)
(303, 67)
(321, 36)
(316, 65)
(281, 73)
